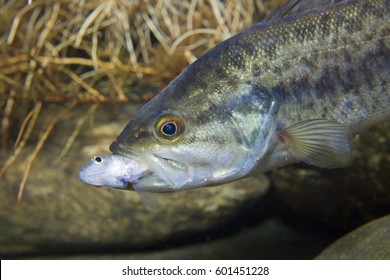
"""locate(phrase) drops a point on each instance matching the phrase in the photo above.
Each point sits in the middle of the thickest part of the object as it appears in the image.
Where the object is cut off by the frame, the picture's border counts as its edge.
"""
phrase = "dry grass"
(99, 52)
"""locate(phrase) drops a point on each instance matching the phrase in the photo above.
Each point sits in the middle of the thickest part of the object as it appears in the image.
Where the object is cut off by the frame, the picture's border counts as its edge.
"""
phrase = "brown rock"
(368, 242)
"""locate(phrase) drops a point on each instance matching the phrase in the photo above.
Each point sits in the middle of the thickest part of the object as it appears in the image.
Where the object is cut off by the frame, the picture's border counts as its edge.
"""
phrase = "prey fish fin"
(149, 199)
(319, 142)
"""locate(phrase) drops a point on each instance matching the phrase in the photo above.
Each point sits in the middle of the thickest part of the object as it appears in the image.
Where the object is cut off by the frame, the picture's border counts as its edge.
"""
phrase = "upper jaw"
(118, 148)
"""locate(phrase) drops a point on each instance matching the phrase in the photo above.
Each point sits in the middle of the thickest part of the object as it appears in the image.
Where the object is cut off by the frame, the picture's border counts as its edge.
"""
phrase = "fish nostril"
(97, 159)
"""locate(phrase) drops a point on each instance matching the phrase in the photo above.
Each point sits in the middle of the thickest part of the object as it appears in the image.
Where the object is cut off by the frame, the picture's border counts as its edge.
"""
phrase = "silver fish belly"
(295, 87)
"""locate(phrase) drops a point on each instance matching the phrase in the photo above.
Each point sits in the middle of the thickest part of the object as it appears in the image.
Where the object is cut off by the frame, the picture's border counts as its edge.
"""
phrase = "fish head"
(156, 138)
(195, 136)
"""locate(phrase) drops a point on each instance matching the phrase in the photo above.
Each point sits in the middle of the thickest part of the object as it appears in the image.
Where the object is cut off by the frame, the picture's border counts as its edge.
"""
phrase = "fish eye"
(169, 128)
(97, 159)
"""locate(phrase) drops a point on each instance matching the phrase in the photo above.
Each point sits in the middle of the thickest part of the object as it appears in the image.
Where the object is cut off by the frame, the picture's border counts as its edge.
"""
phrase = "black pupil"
(98, 159)
(169, 129)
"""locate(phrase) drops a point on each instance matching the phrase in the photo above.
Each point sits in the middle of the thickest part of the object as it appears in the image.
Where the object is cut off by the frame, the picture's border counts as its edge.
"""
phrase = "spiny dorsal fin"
(297, 8)
(319, 142)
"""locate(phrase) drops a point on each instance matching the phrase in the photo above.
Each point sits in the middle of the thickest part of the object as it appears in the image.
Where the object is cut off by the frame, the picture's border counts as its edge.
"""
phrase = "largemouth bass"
(295, 87)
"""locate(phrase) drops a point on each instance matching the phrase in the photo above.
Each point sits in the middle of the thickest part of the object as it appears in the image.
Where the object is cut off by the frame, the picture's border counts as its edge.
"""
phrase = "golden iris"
(170, 128)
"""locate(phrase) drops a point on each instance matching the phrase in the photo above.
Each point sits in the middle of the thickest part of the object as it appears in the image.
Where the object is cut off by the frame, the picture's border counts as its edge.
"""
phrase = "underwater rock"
(345, 197)
(59, 214)
(272, 238)
(369, 242)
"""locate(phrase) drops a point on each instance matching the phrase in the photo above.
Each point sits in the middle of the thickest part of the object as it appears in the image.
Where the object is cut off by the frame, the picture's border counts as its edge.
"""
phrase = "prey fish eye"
(169, 128)
(97, 159)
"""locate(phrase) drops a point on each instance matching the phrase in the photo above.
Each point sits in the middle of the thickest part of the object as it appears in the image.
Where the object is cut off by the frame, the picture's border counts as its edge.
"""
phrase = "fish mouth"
(164, 174)
(119, 149)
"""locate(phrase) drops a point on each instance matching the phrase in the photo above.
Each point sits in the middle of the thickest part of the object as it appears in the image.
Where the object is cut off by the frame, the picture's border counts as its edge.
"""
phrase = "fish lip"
(129, 187)
(120, 149)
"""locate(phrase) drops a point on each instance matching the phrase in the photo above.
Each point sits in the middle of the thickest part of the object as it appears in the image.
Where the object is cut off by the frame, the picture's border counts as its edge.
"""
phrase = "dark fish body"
(295, 87)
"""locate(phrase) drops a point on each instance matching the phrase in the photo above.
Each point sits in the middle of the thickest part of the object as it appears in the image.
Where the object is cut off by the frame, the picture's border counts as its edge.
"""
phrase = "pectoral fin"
(319, 142)
(149, 199)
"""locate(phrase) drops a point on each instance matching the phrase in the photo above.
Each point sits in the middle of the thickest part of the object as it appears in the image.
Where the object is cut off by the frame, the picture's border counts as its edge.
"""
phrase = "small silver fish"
(122, 170)
(295, 87)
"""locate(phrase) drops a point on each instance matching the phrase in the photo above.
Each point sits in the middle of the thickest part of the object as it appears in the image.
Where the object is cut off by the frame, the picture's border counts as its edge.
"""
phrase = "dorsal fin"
(296, 8)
